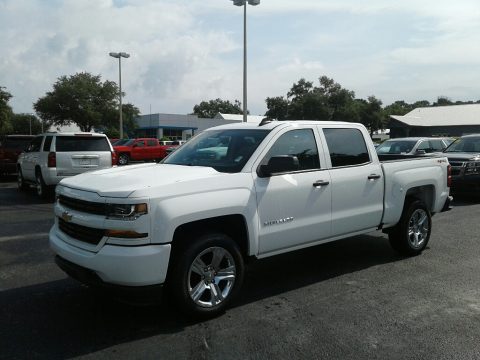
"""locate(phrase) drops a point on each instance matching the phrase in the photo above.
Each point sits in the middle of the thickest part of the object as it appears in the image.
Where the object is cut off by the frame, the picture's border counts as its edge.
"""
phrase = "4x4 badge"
(66, 216)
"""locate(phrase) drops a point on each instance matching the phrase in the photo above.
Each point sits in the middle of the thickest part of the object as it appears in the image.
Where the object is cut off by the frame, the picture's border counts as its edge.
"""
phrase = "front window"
(223, 150)
(467, 144)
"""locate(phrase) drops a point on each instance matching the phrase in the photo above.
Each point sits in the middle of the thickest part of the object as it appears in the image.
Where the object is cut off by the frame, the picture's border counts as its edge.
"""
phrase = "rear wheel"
(410, 236)
(123, 159)
(207, 275)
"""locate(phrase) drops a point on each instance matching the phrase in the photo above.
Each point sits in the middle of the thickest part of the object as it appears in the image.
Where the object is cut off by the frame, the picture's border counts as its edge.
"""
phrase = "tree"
(5, 111)
(111, 126)
(443, 101)
(24, 123)
(81, 99)
(371, 113)
(277, 108)
(208, 109)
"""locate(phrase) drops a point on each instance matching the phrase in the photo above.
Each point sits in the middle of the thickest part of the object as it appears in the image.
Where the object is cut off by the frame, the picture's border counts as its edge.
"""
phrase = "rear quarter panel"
(401, 176)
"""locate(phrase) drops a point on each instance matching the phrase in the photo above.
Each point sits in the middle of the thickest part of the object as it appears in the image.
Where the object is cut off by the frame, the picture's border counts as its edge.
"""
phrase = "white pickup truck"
(236, 192)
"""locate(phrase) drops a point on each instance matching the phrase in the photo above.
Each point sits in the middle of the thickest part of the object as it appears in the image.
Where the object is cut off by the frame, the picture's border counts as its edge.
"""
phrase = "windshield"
(120, 142)
(396, 147)
(223, 150)
(468, 145)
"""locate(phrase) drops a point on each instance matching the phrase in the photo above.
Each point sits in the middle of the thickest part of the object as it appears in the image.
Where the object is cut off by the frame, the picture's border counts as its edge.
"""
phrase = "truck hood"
(461, 156)
(123, 181)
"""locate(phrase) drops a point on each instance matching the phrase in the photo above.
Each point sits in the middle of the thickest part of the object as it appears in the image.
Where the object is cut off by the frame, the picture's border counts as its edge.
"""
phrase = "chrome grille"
(82, 233)
(89, 207)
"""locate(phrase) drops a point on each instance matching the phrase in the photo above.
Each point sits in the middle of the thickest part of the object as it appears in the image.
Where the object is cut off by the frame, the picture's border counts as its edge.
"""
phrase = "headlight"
(126, 211)
(472, 168)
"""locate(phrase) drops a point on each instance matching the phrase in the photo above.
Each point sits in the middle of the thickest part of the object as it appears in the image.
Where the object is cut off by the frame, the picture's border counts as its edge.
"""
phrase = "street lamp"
(119, 56)
(244, 4)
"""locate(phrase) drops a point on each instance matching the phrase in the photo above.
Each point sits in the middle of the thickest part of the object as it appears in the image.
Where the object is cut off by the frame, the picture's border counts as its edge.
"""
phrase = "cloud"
(184, 51)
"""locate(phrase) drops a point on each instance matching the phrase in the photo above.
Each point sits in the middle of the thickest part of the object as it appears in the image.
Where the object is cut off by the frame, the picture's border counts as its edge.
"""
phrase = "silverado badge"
(66, 216)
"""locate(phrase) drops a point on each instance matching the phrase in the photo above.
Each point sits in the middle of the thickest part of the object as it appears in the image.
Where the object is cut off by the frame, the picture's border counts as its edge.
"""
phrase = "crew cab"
(141, 149)
(464, 156)
(238, 192)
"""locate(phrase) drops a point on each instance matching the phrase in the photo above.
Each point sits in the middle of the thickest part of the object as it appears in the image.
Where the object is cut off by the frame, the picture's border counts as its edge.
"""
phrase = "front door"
(294, 207)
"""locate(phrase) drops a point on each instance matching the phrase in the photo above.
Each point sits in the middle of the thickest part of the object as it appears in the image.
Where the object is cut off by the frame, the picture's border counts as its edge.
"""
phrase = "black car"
(464, 157)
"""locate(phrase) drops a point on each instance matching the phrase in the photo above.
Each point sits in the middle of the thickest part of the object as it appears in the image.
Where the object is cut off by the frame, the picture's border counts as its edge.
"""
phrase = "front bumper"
(466, 183)
(114, 265)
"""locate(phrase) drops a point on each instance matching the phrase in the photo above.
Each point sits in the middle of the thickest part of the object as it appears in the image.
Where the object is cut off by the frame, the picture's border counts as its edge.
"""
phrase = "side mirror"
(279, 164)
(420, 152)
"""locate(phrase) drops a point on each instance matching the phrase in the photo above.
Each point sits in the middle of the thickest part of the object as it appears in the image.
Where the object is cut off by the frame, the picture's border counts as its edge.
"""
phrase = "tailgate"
(73, 163)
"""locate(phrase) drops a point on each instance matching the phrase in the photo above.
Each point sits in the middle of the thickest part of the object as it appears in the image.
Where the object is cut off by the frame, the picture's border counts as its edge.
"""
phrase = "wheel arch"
(424, 193)
(234, 226)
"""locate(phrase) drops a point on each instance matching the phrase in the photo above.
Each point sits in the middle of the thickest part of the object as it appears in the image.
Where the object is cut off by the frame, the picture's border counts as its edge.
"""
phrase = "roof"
(273, 124)
(239, 117)
(452, 115)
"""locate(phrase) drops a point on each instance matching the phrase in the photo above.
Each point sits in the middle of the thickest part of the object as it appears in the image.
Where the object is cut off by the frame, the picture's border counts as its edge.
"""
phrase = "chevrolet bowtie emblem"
(66, 216)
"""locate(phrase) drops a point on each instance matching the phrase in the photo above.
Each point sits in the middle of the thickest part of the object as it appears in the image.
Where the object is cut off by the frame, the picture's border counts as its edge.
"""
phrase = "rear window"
(81, 143)
(347, 147)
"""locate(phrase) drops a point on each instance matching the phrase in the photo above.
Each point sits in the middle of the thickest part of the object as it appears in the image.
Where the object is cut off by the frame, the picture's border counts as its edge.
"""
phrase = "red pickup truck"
(141, 149)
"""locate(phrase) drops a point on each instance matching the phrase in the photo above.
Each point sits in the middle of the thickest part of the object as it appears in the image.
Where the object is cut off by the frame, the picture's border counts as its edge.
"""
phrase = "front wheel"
(40, 186)
(410, 236)
(207, 275)
(21, 181)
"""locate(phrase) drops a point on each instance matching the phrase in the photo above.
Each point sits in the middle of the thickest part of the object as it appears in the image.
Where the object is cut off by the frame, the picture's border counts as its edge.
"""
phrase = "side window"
(47, 143)
(346, 146)
(35, 144)
(299, 143)
(140, 144)
(151, 143)
(425, 145)
(437, 145)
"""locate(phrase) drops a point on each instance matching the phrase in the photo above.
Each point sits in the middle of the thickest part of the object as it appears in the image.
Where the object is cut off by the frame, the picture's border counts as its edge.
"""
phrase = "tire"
(123, 159)
(21, 181)
(411, 235)
(41, 188)
(206, 275)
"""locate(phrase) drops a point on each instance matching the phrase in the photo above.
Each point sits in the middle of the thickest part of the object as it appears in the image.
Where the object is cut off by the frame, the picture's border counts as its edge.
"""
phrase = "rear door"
(356, 181)
(76, 154)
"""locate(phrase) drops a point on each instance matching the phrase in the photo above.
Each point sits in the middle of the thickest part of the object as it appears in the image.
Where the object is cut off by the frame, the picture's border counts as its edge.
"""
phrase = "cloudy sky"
(186, 51)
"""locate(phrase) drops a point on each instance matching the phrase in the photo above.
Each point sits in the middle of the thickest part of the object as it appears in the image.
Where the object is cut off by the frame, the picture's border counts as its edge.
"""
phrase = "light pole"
(244, 4)
(119, 56)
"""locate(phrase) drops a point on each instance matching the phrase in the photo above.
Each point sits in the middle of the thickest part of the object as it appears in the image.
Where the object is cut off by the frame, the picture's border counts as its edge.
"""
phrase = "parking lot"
(352, 299)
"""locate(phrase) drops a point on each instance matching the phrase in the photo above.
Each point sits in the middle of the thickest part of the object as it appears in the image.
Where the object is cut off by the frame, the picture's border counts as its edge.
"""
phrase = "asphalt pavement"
(351, 299)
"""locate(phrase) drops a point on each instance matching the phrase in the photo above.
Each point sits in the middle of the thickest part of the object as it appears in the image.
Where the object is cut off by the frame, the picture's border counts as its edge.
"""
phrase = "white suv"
(51, 157)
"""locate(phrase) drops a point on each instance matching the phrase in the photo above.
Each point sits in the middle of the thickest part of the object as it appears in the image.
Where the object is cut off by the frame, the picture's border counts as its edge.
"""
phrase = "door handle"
(374, 177)
(320, 183)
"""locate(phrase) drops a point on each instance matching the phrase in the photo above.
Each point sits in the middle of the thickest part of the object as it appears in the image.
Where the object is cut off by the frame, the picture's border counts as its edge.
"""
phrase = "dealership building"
(183, 127)
(452, 120)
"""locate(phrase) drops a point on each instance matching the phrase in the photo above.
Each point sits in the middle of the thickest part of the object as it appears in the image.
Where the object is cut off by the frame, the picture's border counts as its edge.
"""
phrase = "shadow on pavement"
(62, 319)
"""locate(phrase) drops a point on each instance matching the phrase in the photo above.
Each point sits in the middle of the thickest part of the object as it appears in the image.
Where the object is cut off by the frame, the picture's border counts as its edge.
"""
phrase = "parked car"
(51, 157)
(141, 149)
(238, 192)
(10, 148)
(413, 146)
(464, 156)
